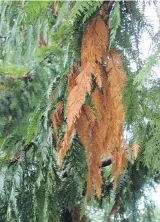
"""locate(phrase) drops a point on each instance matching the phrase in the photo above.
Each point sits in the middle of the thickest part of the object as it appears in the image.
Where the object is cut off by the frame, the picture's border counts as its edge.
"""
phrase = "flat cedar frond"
(115, 112)
(84, 126)
(76, 98)
(72, 78)
(92, 52)
(94, 42)
(64, 145)
(101, 131)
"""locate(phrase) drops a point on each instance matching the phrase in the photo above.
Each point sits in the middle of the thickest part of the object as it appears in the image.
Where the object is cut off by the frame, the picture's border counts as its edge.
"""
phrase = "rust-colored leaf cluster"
(57, 118)
(135, 149)
(42, 41)
(101, 132)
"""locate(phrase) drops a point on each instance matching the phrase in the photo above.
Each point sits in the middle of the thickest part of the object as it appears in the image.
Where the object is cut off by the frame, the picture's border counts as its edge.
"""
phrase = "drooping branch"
(105, 128)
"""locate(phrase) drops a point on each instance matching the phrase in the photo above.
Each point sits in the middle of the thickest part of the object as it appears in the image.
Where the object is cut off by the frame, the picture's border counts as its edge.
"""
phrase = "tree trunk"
(73, 216)
(76, 215)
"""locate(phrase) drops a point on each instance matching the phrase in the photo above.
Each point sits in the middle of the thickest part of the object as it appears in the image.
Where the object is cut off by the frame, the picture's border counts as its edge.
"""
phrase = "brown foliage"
(57, 118)
(101, 132)
(42, 41)
(135, 149)
(94, 43)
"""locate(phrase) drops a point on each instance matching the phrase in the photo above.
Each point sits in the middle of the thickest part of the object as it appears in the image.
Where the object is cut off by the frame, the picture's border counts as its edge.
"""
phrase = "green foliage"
(86, 8)
(20, 27)
(13, 70)
(131, 102)
(128, 23)
(31, 192)
(32, 11)
(115, 21)
(145, 71)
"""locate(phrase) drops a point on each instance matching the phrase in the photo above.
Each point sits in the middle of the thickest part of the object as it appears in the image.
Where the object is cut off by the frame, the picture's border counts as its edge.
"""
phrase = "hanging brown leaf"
(42, 41)
(135, 150)
(72, 78)
(57, 118)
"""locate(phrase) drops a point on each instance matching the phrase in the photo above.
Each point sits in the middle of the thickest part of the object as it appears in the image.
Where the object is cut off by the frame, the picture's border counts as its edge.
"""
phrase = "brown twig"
(17, 156)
